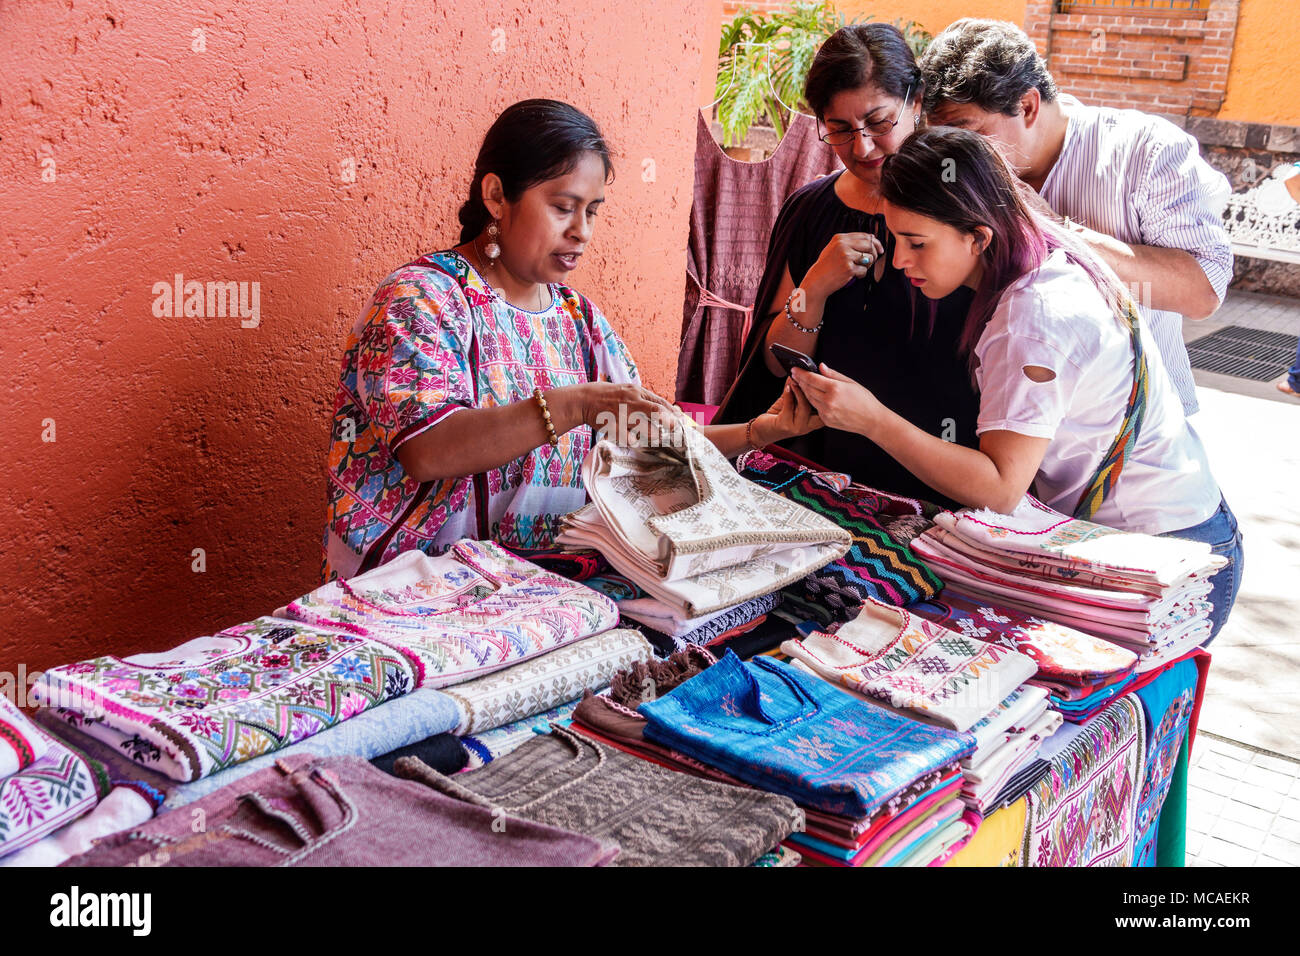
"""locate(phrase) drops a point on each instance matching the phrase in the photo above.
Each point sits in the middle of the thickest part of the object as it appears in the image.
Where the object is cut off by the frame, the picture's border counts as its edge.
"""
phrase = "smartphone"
(792, 358)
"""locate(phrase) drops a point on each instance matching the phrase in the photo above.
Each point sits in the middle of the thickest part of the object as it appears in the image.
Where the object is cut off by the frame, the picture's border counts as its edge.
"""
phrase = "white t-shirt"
(1055, 318)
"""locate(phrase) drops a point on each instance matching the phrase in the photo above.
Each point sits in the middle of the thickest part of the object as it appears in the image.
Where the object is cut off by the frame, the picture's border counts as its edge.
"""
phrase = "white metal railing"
(1259, 234)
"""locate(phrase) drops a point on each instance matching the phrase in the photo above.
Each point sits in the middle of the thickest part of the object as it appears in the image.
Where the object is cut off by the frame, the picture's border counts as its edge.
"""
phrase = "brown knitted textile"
(734, 209)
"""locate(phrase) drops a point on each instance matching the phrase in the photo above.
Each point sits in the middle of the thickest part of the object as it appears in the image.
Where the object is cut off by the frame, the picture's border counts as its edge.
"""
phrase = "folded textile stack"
(876, 567)
(44, 785)
(669, 632)
(1007, 742)
(878, 789)
(475, 609)
(218, 701)
(914, 667)
(920, 669)
(657, 817)
(541, 683)
(1081, 671)
(341, 811)
(1142, 592)
(685, 527)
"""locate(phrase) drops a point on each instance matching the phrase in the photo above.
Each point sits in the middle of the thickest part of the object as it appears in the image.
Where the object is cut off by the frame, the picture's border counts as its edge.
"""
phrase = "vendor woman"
(471, 383)
(1074, 399)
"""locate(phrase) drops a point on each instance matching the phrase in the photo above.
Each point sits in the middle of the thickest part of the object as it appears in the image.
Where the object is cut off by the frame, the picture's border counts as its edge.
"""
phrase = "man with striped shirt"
(1133, 186)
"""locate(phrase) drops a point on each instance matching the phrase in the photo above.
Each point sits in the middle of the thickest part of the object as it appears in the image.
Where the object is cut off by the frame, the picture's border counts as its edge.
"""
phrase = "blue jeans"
(1221, 533)
(1293, 374)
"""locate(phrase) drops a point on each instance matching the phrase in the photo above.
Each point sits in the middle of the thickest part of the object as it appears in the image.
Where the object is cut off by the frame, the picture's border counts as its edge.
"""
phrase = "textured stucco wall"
(1263, 82)
(128, 156)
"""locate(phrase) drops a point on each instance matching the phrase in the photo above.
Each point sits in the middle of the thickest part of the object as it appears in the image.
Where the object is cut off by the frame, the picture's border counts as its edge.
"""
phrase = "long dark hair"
(958, 178)
(862, 54)
(531, 142)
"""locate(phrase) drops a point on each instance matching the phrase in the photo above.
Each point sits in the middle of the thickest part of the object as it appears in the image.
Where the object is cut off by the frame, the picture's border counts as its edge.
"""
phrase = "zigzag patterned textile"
(876, 566)
(463, 614)
(217, 701)
(1083, 813)
(47, 794)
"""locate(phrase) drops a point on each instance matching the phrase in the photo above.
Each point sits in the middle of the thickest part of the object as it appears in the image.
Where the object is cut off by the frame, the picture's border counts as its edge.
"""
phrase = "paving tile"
(1226, 854)
(1285, 829)
(1201, 822)
(1212, 803)
(1227, 764)
(1238, 834)
(1269, 779)
(1216, 783)
(1246, 814)
(1290, 809)
(1288, 768)
(1257, 796)
(1194, 842)
(1284, 850)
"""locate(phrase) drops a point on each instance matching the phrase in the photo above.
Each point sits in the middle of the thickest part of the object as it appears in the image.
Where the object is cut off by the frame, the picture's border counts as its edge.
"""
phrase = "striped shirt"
(1142, 180)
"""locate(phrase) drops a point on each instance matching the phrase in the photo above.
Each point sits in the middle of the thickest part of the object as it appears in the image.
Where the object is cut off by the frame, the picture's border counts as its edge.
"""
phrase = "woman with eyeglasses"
(830, 290)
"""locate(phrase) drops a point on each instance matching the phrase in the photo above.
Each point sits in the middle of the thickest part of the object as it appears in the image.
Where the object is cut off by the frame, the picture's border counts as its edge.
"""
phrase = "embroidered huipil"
(436, 339)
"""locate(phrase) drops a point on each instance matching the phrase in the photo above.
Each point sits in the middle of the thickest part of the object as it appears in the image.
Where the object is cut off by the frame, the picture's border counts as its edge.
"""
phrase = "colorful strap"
(1103, 481)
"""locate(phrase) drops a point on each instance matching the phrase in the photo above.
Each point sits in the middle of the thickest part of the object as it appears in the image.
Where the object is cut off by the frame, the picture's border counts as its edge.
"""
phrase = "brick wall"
(1162, 61)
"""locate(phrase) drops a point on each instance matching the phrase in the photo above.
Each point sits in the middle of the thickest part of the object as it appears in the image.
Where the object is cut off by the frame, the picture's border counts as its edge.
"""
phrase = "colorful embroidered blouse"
(436, 339)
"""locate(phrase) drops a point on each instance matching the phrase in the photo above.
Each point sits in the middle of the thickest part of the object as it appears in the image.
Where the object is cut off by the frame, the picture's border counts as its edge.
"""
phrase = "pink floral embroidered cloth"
(1061, 653)
(21, 744)
(468, 612)
(53, 790)
(217, 701)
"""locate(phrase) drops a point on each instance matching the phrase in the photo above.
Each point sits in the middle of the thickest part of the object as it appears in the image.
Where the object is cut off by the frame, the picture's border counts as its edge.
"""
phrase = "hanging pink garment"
(734, 208)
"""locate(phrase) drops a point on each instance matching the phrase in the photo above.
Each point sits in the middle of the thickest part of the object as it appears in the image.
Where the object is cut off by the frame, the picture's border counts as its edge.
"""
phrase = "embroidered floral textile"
(1083, 813)
(218, 701)
(462, 614)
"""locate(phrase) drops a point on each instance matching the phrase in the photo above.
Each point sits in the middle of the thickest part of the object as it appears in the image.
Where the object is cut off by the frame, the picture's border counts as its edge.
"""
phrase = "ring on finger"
(866, 259)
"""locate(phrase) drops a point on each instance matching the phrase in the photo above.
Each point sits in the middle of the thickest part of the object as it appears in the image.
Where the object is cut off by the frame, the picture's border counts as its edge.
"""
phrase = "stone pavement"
(1244, 786)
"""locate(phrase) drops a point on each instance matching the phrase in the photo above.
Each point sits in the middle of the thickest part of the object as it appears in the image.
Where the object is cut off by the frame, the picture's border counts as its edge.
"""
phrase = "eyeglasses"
(842, 137)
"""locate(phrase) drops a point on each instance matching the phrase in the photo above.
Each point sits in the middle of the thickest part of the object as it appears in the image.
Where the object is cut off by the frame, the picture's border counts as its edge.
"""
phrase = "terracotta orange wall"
(173, 434)
(1263, 83)
(934, 15)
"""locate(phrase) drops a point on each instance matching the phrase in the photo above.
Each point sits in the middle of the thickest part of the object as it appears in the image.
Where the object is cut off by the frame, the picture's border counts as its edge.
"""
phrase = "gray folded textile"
(657, 816)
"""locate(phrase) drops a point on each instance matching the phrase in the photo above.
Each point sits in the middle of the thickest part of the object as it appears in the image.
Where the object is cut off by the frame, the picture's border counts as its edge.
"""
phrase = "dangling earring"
(492, 251)
(916, 120)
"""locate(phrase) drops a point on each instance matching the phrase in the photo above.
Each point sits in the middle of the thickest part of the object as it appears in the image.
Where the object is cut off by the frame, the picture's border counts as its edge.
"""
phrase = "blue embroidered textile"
(771, 726)
(1167, 703)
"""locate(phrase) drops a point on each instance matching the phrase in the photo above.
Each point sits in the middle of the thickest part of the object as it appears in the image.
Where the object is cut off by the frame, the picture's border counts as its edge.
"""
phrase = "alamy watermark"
(215, 300)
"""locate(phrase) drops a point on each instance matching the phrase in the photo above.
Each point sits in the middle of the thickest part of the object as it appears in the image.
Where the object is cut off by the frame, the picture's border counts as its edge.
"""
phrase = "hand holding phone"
(792, 358)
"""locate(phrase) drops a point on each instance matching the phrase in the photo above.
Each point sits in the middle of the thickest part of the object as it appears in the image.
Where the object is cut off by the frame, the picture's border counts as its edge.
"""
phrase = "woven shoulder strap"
(1103, 481)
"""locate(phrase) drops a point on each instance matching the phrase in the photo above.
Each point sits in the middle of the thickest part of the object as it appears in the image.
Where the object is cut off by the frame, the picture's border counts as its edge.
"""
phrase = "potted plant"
(763, 61)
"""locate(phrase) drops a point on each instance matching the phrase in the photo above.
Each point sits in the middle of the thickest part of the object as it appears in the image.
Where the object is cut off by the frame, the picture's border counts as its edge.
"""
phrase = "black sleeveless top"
(883, 334)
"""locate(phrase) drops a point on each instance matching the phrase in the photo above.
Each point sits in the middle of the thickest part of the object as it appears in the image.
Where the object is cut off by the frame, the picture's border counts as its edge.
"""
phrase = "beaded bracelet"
(790, 315)
(546, 417)
(749, 439)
